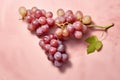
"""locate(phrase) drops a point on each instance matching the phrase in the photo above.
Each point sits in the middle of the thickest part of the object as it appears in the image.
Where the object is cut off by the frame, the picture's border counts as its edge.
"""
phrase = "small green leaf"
(98, 45)
(94, 44)
(91, 39)
(90, 48)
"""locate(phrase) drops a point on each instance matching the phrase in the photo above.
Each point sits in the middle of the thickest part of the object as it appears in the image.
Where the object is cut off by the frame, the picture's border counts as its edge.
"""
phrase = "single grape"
(41, 43)
(39, 31)
(60, 42)
(59, 32)
(70, 18)
(58, 63)
(42, 20)
(23, 11)
(54, 43)
(31, 27)
(50, 21)
(58, 56)
(38, 13)
(35, 23)
(77, 25)
(52, 36)
(50, 57)
(84, 29)
(34, 9)
(49, 14)
(52, 50)
(45, 28)
(47, 47)
(43, 12)
(65, 33)
(86, 19)
(61, 48)
(78, 34)
(68, 13)
(79, 15)
(28, 19)
(46, 39)
(60, 12)
(70, 28)
(64, 57)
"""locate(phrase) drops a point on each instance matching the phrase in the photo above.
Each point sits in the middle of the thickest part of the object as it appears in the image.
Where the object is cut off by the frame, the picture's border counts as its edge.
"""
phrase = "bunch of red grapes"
(67, 23)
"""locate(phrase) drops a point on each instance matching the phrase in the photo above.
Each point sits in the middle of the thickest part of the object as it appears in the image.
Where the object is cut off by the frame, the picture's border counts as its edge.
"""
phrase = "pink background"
(21, 58)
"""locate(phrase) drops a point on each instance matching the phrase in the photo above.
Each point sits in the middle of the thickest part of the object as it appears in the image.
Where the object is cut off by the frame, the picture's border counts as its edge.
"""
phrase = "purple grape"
(61, 48)
(57, 56)
(64, 57)
(46, 39)
(50, 57)
(58, 63)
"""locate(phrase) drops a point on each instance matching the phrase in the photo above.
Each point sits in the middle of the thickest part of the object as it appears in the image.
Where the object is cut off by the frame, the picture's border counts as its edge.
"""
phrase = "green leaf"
(98, 45)
(94, 44)
(90, 48)
(91, 39)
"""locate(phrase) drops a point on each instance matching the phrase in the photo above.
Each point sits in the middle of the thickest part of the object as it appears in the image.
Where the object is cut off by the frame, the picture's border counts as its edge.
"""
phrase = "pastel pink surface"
(21, 58)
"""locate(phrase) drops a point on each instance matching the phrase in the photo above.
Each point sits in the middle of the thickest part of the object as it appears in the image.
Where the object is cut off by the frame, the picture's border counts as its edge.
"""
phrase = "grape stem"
(101, 27)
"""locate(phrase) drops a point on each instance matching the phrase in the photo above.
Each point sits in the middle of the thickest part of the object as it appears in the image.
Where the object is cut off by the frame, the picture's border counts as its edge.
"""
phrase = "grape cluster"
(39, 21)
(54, 49)
(68, 24)
(71, 24)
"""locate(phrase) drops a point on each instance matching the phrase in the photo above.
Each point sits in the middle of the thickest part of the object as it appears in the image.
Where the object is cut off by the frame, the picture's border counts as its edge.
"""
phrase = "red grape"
(42, 20)
(38, 13)
(78, 34)
(54, 43)
(64, 57)
(58, 63)
(77, 25)
(49, 14)
(52, 50)
(50, 21)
